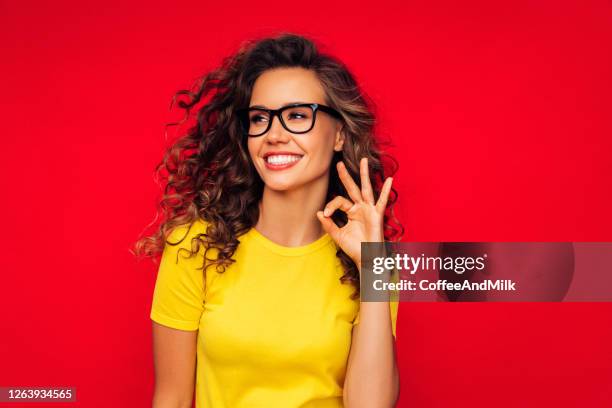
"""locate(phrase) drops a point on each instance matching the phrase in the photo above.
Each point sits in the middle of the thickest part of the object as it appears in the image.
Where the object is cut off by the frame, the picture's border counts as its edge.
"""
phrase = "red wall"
(501, 118)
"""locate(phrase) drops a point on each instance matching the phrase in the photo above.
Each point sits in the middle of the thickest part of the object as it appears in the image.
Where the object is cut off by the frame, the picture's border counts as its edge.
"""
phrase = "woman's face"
(284, 160)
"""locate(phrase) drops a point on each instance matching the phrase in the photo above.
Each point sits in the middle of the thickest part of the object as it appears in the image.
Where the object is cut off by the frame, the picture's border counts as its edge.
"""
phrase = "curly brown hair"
(208, 173)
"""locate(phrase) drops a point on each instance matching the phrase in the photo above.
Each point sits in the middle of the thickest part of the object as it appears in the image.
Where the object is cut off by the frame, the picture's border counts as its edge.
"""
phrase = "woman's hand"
(365, 218)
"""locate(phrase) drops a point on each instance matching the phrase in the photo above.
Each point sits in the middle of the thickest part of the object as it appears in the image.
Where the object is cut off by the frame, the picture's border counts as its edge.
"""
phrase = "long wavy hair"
(207, 173)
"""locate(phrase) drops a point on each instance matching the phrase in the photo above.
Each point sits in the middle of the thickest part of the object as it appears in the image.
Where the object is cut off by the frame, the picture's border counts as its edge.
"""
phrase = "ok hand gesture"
(365, 218)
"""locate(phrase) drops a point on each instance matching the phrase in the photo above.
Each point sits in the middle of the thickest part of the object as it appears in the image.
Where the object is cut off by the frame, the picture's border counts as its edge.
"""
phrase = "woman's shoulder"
(184, 233)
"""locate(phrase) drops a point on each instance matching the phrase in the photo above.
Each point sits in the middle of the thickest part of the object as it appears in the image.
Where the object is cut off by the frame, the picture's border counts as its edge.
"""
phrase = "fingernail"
(326, 212)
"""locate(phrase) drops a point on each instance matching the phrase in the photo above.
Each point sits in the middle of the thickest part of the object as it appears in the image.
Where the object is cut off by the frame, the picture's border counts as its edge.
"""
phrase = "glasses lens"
(298, 119)
(257, 122)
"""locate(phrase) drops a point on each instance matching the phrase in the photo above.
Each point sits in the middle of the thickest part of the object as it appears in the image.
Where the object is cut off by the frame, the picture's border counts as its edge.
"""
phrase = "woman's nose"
(277, 133)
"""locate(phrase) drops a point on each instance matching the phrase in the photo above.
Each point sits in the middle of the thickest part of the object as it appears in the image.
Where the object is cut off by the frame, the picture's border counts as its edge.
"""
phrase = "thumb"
(328, 224)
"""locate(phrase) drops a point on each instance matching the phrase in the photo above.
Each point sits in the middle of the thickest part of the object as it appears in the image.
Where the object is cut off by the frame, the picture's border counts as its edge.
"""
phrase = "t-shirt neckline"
(290, 251)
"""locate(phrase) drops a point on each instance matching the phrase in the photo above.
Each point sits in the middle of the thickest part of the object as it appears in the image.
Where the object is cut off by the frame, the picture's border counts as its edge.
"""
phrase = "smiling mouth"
(281, 159)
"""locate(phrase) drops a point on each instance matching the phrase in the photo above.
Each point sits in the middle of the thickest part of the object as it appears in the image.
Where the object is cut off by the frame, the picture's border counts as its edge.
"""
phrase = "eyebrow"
(287, 104)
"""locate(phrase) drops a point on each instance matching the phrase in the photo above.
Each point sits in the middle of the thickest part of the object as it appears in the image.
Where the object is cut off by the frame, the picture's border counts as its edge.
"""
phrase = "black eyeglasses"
(296, 118)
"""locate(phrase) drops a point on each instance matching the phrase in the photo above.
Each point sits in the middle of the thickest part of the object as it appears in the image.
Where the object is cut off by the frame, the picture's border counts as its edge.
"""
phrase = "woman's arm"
(174, 355)
(372, 378)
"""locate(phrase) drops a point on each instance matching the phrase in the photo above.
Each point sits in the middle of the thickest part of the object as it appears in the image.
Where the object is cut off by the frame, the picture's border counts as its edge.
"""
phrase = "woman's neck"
(289, 217)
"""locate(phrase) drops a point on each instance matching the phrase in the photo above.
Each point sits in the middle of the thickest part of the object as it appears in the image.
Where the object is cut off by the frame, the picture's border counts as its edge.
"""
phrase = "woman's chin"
(281, 185)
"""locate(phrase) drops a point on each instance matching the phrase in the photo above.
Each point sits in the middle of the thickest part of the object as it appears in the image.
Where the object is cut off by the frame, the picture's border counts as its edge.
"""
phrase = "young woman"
(268, 198)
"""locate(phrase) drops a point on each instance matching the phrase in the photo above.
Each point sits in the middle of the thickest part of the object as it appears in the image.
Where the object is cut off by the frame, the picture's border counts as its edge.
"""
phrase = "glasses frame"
(243, 115)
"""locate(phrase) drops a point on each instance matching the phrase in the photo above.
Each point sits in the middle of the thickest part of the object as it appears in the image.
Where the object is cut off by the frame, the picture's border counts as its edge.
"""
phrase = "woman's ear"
(340, 137)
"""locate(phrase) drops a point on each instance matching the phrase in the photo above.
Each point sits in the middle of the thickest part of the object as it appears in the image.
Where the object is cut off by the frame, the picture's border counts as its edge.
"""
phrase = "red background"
(500, 116)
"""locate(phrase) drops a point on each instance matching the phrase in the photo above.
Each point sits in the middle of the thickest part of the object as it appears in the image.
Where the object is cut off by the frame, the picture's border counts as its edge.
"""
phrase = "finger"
(328, 225)
(384, 195)
(338, 202)
(366, 186)
(349, 184)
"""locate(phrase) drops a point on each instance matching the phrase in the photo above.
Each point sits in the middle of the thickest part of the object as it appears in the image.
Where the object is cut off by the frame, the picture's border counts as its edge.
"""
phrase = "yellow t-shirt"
(274, 328)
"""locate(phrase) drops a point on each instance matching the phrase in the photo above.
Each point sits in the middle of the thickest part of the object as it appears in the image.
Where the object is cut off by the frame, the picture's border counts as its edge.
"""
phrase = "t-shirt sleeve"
(393, 303)
(178, 298)
(393, 308)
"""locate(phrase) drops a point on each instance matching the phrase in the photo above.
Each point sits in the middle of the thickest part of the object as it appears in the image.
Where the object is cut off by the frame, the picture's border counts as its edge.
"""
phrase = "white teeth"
(282, 159)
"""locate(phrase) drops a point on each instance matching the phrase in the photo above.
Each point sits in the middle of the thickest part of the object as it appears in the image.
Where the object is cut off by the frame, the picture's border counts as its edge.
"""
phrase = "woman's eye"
(257, 118)
(296, 116)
